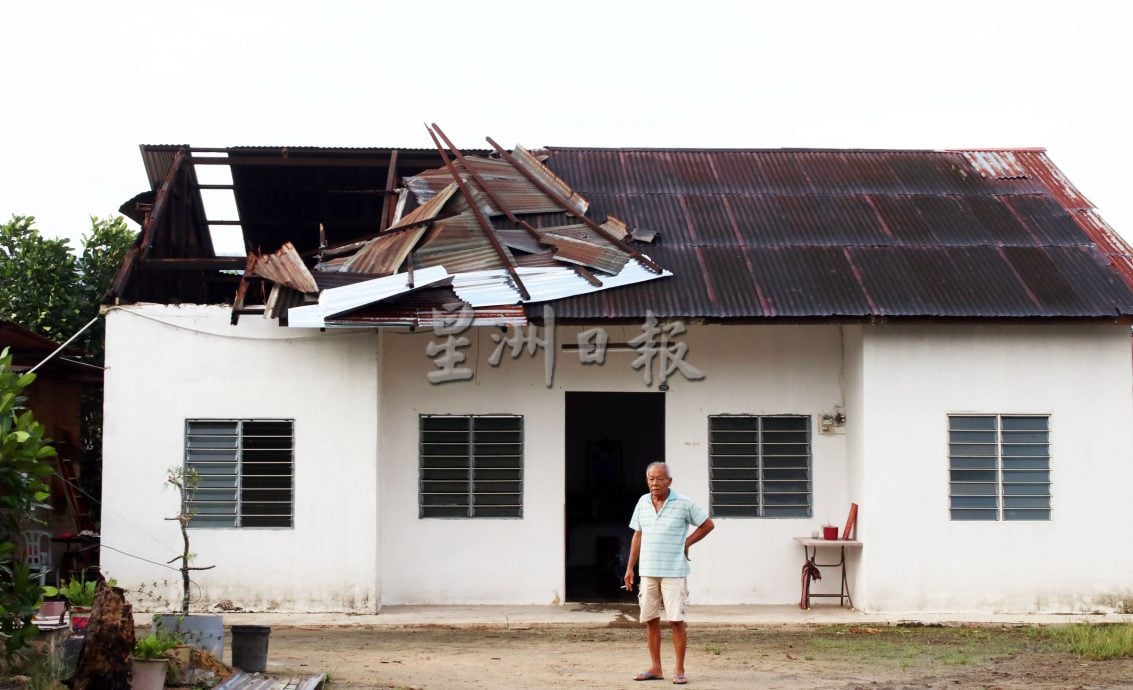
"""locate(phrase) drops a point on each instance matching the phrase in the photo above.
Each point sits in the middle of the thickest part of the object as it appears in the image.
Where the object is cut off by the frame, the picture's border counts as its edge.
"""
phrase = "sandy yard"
(789, 656)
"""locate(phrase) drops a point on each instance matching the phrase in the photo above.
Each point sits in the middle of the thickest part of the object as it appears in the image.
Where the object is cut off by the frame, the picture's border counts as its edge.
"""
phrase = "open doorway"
(610, 438)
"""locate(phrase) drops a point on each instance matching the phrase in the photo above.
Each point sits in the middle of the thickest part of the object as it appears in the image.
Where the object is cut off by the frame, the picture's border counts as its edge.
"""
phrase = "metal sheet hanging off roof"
(385, 253)
(335, 301)
(486, 288)
(285, 267)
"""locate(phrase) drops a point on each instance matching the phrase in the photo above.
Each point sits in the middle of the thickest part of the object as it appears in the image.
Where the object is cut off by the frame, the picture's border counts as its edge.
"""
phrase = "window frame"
(760, 506)
(240, 477)
(1024, 462)
(443, 467)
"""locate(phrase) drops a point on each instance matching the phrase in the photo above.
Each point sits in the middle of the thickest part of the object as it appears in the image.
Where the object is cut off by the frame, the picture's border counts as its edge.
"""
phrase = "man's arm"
(634, 552)
(698, 534)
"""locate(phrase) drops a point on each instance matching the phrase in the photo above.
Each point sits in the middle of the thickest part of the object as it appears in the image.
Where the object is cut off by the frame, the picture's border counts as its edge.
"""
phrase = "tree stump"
(104, 660)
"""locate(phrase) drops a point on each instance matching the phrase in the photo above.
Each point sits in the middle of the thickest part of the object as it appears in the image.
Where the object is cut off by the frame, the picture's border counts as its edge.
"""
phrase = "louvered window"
(471, 466)
(759, 466)
(999, 467)
(245, 469)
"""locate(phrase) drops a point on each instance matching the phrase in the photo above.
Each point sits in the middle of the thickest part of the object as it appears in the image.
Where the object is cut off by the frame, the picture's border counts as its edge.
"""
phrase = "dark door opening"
(610, 438)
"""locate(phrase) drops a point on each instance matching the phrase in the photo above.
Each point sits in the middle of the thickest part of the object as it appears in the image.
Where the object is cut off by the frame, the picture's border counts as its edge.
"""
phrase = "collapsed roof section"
(750, 235)
(461, 229)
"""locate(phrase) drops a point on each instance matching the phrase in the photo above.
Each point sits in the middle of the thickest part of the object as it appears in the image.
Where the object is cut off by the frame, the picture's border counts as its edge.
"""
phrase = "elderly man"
(661, 539)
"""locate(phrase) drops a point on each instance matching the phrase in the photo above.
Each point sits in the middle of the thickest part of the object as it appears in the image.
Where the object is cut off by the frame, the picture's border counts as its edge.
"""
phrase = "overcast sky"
(84, 84)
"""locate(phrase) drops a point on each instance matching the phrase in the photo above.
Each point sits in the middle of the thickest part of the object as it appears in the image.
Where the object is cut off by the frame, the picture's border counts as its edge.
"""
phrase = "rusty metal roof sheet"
(285, 267)
(385, 253)
(458, 244)
(579, 245)
(777, 234)
(747, 234)
(507, 183)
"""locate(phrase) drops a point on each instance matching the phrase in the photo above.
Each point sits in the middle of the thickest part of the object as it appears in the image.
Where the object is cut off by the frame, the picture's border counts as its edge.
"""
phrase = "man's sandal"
(680, 680)
(648, 675)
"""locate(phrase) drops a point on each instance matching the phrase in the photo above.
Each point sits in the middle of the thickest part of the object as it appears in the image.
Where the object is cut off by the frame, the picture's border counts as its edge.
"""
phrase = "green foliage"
(23, 488)
(78, 592)
(37, 280)
(1094, 641)
(156, 644)
(44, 287)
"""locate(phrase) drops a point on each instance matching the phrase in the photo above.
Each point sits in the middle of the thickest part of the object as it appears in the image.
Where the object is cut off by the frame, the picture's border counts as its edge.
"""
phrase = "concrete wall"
(750, 370)
(355, 396)
(168, 364)
(920, 560)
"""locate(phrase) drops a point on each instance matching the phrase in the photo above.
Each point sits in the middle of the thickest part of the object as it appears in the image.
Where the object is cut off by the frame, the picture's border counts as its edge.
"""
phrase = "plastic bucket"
(830, 533)
(250, 647)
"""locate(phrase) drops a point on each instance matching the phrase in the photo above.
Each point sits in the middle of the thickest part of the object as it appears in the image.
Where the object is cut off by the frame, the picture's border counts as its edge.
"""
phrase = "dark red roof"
(772, 234)
(749, 235)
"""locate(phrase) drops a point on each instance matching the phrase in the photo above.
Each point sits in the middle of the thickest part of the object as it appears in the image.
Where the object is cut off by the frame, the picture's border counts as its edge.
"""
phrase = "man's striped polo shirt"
(663, 534)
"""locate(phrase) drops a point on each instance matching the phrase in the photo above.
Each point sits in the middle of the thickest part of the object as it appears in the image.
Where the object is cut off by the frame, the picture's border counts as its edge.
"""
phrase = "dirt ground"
(788, 657)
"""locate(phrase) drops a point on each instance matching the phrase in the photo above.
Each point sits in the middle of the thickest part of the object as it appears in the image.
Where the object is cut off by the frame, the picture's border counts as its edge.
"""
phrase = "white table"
(810, 552)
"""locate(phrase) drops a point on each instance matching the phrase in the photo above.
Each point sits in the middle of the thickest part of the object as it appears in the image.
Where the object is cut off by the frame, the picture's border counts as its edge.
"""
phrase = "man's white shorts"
(670, 591)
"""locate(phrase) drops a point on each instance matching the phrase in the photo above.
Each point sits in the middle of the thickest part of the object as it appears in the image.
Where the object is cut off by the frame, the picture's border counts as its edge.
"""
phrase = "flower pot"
(148, 674)
(53, 610)
(80, 619)
(200, 630)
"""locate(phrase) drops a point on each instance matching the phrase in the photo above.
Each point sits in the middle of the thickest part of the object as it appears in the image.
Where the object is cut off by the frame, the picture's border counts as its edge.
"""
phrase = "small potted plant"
(79, 593)
(151, 661)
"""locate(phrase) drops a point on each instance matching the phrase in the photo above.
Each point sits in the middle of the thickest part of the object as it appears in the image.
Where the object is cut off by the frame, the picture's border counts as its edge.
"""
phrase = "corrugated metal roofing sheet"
(778, 234)
(854, 234)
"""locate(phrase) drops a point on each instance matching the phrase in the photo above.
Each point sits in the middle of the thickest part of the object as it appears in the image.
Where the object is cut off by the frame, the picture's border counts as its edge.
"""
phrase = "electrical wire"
(336, 333)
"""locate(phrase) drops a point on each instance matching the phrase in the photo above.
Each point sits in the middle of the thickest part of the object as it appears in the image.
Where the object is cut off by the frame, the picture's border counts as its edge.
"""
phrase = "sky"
(84, 84)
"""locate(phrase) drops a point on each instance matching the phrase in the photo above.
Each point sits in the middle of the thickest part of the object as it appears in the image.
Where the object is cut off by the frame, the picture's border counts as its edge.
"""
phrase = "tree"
(44, 287)
(38, 280)
(23, 488)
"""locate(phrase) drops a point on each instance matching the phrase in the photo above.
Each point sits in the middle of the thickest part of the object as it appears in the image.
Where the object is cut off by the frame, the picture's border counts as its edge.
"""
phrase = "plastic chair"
(37, 553)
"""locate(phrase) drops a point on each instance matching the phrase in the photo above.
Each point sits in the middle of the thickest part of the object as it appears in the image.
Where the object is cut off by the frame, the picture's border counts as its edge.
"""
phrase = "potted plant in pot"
(79, 593)
(205, 631)
(150, 661)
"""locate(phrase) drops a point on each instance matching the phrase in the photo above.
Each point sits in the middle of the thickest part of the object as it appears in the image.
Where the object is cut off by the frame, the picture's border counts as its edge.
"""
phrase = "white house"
(939, 337)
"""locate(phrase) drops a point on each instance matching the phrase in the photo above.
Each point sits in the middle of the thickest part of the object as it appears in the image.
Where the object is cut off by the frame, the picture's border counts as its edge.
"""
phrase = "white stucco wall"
(356, 396)
(168, 364)
(920, 560)
(752, 370)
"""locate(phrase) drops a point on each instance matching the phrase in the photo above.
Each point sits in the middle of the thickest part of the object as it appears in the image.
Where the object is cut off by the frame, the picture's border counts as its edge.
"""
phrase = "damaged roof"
(736, 235)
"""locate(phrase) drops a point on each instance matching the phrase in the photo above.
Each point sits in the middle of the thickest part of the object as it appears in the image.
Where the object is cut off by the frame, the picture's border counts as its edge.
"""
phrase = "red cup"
(830, 533)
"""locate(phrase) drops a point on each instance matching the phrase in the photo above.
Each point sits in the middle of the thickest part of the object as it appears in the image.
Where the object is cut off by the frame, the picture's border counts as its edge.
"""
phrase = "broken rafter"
(358, 243)
(485, 225)
(161, 202)
(496, 200)
(500, 203)
(391, 178)
(567, 206)
(206, 263)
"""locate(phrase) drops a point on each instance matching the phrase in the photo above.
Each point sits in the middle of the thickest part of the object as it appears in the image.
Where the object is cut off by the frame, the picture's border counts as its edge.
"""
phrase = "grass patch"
(712, 649)
(1097, 641)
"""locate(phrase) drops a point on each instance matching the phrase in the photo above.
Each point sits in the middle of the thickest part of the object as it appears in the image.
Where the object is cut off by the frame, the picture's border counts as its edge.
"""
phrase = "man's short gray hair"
(659, 463)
